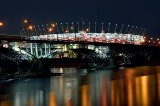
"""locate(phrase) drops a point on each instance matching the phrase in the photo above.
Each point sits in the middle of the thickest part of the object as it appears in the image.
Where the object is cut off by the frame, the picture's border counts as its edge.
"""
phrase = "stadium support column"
(45, 49)
(31, 48)
(36, 48)
(49, 47)
(95, 27)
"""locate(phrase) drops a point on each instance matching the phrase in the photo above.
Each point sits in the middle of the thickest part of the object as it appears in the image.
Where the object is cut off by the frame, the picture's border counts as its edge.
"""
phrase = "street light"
(89, 27)
(1, 24)
(102, 28)
(67, 27)
(50, 30)
(30, 27)
(109, 27)
(87, 30)
(78, 26)
(53, 25)
(115, 28)
(25, 21)
(95, 27)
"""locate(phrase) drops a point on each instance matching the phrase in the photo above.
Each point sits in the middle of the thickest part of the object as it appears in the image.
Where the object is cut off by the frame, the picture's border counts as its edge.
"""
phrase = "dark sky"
(141, 13)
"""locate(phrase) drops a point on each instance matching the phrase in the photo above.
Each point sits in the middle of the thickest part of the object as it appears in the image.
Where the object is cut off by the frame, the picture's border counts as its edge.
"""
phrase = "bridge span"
(98, 48)
(92, 50)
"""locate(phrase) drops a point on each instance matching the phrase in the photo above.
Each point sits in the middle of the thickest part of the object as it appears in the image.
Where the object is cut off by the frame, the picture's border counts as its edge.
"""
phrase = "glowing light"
(30, 27)
(1, 24)
(25, 21)
(120, 54)
(87, 29)
(50, 29)
(53, 25)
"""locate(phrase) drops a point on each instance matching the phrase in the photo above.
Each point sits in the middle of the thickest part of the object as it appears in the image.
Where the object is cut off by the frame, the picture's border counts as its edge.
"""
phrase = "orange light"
(1, 24)
(25, 21)
(30, 27)
(50, 29)
(53, 25)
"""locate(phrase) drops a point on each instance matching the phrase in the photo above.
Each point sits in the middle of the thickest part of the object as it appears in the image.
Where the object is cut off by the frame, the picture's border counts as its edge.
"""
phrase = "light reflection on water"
(138, 86)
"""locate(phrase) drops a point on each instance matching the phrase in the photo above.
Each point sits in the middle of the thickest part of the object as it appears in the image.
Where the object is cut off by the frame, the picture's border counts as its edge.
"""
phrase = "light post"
(50, 30)
(78, 26)
(62, 27)
(83, 27)
(95, 27)
(157, 41)
(25, 21)
(130, 30)
(109, 27)
(27, 26)
(89, 27)
(67, 28)
(30, 28)
(72, 27)
(115, 29)
(87, 30)
(102, 28)
(126, 30)
(121, 30)
(1, 24)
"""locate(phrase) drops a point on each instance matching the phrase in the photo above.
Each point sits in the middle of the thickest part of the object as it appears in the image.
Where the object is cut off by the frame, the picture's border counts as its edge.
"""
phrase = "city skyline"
(141, 13)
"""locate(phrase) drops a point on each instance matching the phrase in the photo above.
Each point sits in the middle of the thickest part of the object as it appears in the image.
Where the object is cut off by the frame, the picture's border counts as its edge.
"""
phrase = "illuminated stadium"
(85, 33)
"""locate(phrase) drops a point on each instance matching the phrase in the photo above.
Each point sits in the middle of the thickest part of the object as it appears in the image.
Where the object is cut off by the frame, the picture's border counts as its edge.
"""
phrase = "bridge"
(103, 44)
(121, 46)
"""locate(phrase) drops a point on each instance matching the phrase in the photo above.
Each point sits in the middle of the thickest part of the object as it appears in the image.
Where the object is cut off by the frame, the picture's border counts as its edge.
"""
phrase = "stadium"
(85, 33)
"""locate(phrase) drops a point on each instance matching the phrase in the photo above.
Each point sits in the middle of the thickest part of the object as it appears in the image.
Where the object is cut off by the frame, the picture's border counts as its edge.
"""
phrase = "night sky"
(141, 13)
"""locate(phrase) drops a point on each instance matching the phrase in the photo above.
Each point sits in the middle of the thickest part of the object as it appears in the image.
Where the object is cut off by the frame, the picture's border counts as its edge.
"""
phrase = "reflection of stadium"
(93, 37)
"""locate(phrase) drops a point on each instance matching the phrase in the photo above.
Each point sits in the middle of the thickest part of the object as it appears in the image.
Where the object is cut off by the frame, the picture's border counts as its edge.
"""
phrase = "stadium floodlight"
(78, 26)
(126, 30)
(95, 27)
(89, 27)
(109, 27)
(102, 28)
(121, 30)
(115, 28)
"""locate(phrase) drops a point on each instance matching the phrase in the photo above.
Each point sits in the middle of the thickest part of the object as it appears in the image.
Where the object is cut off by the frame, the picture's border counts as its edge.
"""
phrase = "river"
(135, 86)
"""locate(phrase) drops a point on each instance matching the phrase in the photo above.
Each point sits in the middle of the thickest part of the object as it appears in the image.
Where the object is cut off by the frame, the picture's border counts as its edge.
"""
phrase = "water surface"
(137, 86)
